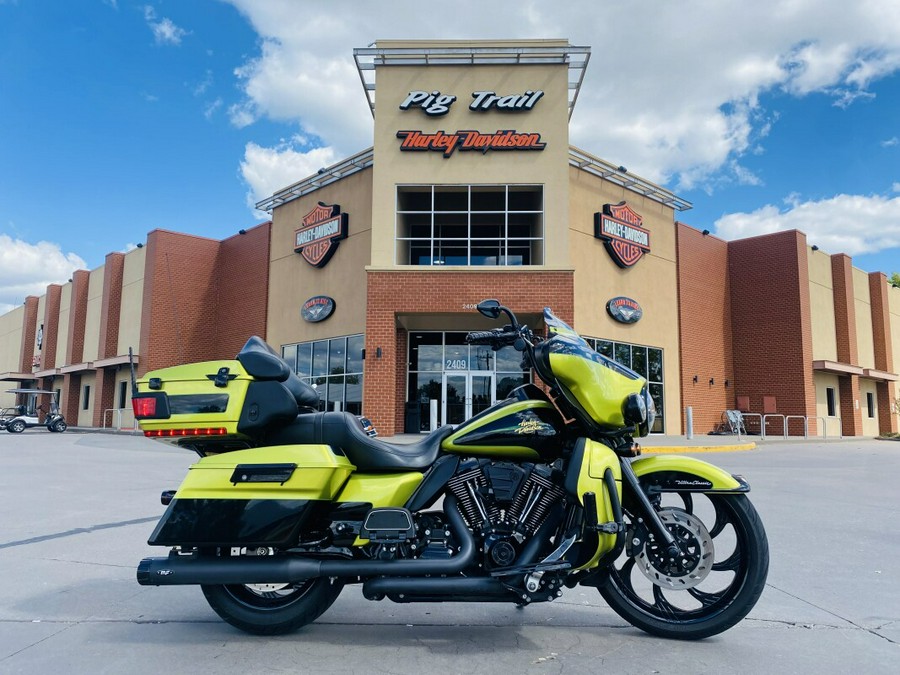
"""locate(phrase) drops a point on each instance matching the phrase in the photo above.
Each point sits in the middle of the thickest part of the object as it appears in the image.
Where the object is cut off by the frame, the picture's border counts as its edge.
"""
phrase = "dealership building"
(367, 276)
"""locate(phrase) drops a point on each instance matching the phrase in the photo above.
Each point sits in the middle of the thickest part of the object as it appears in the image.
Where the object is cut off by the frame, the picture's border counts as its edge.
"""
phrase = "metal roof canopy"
(335, 172)
(368, 58)
(620, 176)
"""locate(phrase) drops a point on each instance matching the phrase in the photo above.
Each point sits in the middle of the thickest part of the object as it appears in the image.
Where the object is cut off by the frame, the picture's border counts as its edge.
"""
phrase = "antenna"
(134, 388)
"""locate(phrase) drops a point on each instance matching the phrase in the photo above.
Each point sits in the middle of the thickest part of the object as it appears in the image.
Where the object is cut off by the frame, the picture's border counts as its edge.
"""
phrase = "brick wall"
(395, 292)
(77, 317)
(771, 325)
(704, 317)
(111, 305)
(884, 357)
(51, 326)
(243, 289)
(845, 333)
(29, 331)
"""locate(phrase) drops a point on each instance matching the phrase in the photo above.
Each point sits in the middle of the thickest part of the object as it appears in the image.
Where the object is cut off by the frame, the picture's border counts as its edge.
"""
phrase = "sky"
(120, 117)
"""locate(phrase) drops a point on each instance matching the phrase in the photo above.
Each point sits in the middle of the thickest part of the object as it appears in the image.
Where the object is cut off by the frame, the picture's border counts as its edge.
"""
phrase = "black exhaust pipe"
(442, 589)
(179, 570)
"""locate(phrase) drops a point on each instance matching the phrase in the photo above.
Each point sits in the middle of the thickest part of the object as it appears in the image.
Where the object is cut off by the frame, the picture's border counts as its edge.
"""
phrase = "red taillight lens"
(203, 431)
(144, 407)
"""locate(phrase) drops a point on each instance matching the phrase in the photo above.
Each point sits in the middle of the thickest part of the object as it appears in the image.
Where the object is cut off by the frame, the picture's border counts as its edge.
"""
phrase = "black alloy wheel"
(711, 586)
(16, 427)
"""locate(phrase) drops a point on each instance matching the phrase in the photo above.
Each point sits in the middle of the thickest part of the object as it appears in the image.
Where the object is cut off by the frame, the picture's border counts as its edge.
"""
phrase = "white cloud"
(851, 224)
(672, 90)
(27, 269)
(890, 143)
(268, 170)
(165, 32)
(211, 108)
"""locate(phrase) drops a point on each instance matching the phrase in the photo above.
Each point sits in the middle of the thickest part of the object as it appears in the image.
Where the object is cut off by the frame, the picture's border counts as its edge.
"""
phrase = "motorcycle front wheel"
(273, 609)
(711, 588)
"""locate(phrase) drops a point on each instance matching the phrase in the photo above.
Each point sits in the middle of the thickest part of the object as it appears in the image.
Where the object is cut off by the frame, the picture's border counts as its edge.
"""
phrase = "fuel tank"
(526, 426)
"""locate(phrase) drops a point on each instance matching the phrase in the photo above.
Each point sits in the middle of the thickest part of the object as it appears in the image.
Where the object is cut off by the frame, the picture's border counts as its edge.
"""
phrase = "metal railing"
(117, 418)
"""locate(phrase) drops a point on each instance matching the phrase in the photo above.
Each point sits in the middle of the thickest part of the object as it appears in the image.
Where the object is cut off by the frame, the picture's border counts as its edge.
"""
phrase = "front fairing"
(597, 384)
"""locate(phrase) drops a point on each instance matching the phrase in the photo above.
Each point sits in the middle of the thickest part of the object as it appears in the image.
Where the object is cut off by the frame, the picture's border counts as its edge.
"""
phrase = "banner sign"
(619, 227)
(322, 230)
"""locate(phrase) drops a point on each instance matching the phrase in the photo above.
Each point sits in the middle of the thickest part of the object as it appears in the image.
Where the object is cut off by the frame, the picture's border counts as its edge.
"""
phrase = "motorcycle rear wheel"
(722, 593)
(273, 611)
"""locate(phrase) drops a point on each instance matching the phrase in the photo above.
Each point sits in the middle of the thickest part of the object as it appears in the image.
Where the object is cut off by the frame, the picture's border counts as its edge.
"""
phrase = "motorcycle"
(542, 492)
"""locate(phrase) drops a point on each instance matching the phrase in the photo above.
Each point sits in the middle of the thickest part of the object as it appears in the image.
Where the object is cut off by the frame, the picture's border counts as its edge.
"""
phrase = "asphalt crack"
(77, 530)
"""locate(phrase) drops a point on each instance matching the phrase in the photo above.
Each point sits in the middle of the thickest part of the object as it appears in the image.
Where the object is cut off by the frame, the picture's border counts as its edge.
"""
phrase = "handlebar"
(492, 337)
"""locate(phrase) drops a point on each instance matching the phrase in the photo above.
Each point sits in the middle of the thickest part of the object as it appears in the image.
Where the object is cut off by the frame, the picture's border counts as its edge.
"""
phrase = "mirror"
(490, 308)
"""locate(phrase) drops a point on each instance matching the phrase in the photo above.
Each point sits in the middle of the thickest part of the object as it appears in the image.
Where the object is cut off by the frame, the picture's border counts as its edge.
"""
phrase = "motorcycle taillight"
(150, 406)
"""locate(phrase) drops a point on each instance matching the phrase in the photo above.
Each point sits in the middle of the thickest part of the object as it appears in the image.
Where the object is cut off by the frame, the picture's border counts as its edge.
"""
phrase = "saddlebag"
(258, 497)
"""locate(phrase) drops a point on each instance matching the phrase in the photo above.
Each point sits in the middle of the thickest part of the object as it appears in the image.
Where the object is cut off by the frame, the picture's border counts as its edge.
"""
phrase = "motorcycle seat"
(343, 430)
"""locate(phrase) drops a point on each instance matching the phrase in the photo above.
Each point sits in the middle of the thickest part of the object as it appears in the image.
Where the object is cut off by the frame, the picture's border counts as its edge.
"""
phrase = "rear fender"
(670, 473)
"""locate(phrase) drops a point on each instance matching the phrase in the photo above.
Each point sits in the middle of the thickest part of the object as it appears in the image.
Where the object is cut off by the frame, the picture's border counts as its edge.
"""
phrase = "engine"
(505, 503)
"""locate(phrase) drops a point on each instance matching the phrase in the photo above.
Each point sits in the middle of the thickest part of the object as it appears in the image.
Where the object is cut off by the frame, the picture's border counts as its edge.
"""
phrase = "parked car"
(23, 417)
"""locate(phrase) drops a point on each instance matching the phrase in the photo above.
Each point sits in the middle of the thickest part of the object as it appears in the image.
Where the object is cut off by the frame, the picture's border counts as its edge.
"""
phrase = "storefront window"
(335, 367)
(477, 225)
(646, 362)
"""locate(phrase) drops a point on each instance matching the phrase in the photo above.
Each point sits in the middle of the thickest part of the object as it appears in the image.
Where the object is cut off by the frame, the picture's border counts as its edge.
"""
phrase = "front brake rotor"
(694, 563)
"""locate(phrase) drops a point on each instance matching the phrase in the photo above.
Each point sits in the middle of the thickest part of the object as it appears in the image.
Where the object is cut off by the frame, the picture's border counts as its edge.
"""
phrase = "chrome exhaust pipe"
(180, 570)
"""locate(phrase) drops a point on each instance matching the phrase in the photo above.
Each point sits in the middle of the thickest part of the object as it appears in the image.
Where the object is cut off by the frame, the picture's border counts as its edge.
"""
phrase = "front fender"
(671, 473)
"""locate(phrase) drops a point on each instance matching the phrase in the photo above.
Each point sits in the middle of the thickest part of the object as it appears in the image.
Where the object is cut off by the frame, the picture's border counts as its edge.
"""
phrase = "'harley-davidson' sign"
(468, 140)
(624, 310)
(620, 229)
(323, 228)
(317, 308)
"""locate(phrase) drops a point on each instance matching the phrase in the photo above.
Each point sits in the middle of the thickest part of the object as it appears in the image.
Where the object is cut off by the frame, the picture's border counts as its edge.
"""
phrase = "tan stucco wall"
(292, 280)
(132, 301)
(85, 417)
(865, 342)
(548, 167)
(652, 281)
(92, 321)
(10, 351)
(62, 336)
(823, 381)
(821, 306)
(869, 424)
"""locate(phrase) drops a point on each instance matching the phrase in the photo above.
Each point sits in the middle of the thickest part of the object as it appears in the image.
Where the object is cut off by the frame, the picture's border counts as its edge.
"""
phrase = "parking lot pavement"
(78, 508)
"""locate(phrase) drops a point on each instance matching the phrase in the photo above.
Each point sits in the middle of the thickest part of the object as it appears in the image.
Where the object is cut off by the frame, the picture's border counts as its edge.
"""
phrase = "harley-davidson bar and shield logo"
(620, 229)
(323, 228)
(624, 310)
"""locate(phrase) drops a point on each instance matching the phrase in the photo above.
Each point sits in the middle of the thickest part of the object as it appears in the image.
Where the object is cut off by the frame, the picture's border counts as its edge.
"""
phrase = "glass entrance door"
(465, 394)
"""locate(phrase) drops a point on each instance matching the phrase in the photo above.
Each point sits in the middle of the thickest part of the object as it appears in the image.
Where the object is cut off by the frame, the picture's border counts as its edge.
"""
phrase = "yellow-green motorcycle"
(541, 492)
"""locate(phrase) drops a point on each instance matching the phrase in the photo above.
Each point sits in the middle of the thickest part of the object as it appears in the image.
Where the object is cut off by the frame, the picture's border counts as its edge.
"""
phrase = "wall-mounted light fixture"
(726, 384)
(695, 379)
(711, 381)
(377, 352)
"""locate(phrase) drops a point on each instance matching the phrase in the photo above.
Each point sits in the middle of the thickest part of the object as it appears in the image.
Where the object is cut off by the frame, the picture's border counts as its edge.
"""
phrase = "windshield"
(567, 341)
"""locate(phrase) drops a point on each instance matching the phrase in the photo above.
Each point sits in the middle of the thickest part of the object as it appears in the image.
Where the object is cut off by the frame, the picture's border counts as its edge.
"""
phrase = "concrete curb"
(690, 449)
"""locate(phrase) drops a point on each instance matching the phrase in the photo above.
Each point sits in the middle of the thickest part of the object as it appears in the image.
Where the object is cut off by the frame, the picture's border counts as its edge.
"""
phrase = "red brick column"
(390, 293)
(71, 397)
(77, 316)
(110, 315)
(884, 357)
(845, 332)
(104, 393)
(704, 318)
(51, 326)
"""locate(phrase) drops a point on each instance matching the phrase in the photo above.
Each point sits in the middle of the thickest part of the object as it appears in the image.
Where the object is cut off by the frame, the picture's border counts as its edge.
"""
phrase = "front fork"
(647, 514)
